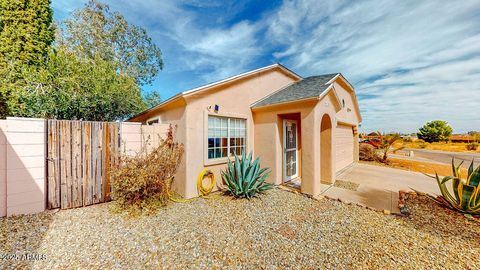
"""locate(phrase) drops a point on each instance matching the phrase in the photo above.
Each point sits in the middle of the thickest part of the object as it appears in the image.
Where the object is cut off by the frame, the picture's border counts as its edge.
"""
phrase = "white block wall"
(23, 160)
(25, 165)
(134, 136)
(3, 168)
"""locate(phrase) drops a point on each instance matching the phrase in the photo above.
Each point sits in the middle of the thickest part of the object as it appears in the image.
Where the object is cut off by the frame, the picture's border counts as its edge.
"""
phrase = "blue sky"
(410, 61)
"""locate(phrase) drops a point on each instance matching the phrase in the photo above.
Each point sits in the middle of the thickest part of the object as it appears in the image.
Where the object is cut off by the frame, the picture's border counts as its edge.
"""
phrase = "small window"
(152, 122)
(343, 103)
(226, 136)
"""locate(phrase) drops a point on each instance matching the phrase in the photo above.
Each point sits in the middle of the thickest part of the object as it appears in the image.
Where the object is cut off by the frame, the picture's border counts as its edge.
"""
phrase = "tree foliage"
(26, 32)
(93, 71)
(435, 131)
(69, 87)
(152, 99)
(95, 31)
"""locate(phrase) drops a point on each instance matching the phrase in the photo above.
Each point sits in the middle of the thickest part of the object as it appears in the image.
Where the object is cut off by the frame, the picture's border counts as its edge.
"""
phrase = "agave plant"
(466, 192)
(245, 178)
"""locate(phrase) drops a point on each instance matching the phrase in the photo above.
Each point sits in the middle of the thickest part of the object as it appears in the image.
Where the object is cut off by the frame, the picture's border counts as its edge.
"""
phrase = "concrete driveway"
(379, 186)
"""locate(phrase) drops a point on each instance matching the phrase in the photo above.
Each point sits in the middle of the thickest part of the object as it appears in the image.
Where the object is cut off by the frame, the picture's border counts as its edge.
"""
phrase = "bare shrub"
(368, 153)
(141, 183)
(472, 146)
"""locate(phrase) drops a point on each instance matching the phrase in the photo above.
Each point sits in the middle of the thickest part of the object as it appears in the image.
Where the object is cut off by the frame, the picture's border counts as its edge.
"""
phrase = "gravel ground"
(346, 185)
(278, 230)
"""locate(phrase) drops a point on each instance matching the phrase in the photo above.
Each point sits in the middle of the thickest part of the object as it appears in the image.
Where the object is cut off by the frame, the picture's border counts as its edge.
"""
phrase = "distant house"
(302, 128)
(462, 138)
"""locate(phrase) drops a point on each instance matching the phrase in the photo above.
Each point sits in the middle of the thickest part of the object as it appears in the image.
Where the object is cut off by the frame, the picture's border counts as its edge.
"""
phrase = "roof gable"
(350, 88)
(310, 87)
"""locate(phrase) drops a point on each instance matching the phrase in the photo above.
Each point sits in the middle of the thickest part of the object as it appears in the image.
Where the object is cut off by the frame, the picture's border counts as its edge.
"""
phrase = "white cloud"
(192, 43)
(427, 54)
(410, 61)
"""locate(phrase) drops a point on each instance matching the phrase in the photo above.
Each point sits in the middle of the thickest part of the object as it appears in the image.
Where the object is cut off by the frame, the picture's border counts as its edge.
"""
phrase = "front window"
(226, 136)
(152, 122)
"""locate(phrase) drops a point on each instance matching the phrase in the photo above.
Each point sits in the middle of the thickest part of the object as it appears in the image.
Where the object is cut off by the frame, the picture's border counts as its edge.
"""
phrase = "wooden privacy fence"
(80, 156)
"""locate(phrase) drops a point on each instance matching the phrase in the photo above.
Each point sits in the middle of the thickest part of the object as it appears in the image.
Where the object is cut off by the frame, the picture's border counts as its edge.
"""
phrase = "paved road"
(444, 156)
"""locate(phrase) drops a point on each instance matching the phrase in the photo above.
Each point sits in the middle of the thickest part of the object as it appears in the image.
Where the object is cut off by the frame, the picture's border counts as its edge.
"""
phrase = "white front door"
(290, 151)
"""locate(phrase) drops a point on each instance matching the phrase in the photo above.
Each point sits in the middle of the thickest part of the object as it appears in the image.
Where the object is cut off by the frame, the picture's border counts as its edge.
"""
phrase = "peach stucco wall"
(268, 140)
(269, 136)
(349, 113)
(173, 113)
(234, 100)
(264, 127)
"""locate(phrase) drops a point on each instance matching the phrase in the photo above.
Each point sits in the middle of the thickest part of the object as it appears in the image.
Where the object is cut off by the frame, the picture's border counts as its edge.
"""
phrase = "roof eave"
(205, 87)
(283, 103)
(157, 107)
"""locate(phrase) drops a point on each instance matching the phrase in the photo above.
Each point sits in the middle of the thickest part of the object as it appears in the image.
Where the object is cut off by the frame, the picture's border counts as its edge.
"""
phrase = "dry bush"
(423, 145)
(472, 146)
(368, 153)
(419, 143)
(141, 183)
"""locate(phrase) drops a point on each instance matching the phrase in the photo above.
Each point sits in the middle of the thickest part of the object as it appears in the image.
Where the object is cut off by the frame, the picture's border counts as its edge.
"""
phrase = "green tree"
(26, 34)
(26, 31)
(95, 31)
(69, 87)
(93, 72)
(475, 135)
(435, 131)
(152, 99)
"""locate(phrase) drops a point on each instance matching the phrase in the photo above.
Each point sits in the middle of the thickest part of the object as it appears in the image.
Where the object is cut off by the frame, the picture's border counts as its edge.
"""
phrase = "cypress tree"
(26, 32)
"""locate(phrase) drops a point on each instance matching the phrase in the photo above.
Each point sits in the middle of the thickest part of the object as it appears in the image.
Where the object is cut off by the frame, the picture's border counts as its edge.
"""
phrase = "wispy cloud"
(410, 61)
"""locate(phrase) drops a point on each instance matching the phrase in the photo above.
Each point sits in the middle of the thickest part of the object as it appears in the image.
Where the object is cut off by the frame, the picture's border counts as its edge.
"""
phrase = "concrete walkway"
(378, 186)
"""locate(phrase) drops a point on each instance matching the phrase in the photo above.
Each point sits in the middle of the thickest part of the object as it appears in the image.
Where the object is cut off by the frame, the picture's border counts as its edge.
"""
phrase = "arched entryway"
(326, 155)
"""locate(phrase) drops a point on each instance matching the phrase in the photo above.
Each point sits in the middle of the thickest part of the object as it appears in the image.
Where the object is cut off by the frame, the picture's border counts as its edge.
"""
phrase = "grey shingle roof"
(306, 88)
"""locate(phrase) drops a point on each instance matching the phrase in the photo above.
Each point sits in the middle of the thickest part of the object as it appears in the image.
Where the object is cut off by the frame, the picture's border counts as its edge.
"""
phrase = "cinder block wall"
(130, 138)
(134, 136)
(26, 184)
(23, 154)
(3, 168)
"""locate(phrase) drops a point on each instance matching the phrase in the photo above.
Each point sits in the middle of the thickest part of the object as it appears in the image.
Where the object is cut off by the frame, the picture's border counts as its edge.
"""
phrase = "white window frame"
(223, 160)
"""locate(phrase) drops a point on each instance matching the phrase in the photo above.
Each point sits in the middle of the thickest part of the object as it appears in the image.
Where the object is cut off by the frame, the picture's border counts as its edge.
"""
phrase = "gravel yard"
(277, 230)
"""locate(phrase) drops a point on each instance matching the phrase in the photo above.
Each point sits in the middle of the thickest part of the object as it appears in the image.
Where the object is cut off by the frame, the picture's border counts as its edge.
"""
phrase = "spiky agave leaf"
(466, 198)
(244, 177)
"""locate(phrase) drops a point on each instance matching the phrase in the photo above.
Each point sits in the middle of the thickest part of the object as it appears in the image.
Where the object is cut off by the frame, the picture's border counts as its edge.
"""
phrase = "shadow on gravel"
(20, 238)
(438, 221)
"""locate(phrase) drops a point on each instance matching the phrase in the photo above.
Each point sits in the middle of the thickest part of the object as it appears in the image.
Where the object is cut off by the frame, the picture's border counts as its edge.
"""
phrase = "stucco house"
(302, 128)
